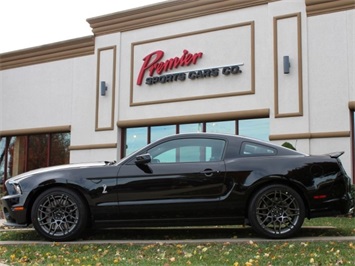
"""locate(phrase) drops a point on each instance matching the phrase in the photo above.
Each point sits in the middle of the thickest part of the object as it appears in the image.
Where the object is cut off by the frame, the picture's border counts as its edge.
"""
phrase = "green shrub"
(288, 145)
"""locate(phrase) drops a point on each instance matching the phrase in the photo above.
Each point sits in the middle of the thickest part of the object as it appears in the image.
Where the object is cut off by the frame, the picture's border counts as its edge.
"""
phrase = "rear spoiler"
(336, 154)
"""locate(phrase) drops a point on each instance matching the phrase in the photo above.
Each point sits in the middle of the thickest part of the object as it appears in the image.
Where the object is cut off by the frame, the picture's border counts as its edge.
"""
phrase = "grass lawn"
(247, 253)
(276, 253)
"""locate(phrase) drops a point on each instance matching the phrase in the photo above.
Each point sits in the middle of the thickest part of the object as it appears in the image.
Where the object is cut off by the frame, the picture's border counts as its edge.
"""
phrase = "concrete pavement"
(181, 241)
(164, 241)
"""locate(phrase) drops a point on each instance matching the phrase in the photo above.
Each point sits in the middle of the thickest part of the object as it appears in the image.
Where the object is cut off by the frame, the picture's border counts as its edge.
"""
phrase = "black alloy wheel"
(59, 214)
(276, 211)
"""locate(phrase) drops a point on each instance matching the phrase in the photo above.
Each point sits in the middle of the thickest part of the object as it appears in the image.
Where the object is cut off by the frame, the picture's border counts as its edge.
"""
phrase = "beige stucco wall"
(307, 107)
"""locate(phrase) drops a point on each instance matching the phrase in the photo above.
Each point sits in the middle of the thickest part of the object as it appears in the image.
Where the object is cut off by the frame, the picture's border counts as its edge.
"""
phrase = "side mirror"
(143, 159)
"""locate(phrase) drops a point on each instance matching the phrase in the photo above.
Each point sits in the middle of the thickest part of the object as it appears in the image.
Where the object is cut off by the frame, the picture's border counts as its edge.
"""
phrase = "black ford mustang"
(186, 179)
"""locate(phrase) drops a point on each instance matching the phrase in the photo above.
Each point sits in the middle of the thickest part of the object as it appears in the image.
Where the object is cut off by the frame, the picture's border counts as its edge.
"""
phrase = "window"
(19, 154)
(353, 143)
(254, 128)
(2, 159)
(191, 128)
(136, 138)
(37, 151)
(16, 156)
(254, 149)
(225, 127)
(59, 149)
(159, 132)
(188, 150)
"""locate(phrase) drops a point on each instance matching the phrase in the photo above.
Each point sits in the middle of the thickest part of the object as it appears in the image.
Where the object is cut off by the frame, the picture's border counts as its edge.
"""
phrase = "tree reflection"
(19, 154)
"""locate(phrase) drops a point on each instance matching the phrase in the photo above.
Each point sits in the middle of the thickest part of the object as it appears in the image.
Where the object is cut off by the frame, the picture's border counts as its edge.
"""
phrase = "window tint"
(188, 150)
(249, 148)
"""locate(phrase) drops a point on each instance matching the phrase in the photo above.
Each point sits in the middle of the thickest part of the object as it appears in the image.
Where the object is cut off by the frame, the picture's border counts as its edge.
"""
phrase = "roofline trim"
(48, 53)
(259, 113)
(315, 135)
(165, 12)
(320, 7)
(35, 131)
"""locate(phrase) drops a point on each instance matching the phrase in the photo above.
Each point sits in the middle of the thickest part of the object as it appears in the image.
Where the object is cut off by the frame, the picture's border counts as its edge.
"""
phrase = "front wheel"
(59, 214)
(276, 211)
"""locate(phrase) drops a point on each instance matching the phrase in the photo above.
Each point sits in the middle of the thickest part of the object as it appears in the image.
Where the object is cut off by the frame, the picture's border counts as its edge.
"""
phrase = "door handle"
(209, 172)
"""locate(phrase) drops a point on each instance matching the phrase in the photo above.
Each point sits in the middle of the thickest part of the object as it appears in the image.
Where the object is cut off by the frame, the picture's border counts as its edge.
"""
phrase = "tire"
(276, 211)
(59, 214)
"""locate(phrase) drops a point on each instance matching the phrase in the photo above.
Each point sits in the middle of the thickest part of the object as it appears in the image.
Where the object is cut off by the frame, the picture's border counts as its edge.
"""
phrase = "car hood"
(20, 177)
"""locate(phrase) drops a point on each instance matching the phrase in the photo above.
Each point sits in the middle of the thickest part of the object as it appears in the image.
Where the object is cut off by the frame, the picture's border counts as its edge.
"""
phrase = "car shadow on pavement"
(173, 233)
(183, 233)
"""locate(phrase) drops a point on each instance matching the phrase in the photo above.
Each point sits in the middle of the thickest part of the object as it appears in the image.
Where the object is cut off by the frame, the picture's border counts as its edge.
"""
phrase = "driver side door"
(183, 178)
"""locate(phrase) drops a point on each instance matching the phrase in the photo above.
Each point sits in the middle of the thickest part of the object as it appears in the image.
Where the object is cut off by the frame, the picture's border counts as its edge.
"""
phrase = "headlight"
(13, 188)
(17, 188)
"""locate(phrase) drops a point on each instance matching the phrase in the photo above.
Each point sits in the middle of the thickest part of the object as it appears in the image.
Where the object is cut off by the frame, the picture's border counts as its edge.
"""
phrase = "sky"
(29, 23)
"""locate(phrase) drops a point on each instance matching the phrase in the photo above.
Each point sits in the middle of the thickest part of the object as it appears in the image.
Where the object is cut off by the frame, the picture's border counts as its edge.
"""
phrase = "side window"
(249, 148)
(188, 150)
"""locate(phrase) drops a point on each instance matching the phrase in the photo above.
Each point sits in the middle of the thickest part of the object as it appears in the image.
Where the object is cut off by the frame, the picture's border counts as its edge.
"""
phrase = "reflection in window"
(188, 150)
(37, 151)
(191, 128)
(19, 154)
(256, 149)
(2, 158)
(16, 156)
(136, 138)
(225, 127)
(159, 132)
(254, 128)
(353, 129)
(59, 149)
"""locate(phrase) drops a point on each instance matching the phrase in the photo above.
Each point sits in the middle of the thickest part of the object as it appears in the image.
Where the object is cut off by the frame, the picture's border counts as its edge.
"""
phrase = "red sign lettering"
(152, 63)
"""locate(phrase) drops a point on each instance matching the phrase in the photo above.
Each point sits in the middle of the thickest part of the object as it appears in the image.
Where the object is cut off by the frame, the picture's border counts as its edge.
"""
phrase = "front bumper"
(15, 215)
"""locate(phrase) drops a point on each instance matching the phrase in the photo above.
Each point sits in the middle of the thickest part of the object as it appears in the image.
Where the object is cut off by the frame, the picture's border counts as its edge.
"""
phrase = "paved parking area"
(193, 241)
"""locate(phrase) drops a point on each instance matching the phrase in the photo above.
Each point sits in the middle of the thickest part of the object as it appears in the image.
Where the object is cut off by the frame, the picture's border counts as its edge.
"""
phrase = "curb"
(186, 241)
(192, 241)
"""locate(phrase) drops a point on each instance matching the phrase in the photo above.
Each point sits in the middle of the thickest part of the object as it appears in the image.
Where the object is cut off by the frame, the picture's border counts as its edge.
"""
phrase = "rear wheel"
(276, 211)
(59, 214)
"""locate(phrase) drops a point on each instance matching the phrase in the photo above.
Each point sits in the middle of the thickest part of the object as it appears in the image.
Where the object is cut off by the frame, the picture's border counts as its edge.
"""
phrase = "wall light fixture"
(287, 64)
(103, 88)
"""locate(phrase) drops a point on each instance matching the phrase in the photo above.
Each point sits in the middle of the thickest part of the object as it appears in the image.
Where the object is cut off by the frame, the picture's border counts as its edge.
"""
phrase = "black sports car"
(184, 179)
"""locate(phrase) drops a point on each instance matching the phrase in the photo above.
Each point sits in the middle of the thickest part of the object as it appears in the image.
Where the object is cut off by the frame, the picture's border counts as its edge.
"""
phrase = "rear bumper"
(349, 205)
(351, 210)
(334, 207)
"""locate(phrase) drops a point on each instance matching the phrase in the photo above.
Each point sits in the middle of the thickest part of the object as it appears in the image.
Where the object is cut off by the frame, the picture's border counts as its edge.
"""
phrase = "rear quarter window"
(255, 149)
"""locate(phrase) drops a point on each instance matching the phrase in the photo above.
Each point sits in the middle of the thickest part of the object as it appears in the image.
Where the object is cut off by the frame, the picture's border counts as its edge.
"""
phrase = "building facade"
(277, 70)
